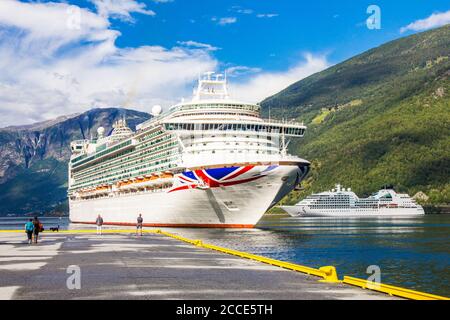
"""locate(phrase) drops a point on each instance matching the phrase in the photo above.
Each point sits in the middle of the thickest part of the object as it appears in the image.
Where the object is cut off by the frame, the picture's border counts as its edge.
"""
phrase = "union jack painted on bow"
(218, 177)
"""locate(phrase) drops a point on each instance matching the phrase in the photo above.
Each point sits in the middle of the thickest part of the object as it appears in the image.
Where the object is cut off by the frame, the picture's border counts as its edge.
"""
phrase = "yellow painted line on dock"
(327, 273)
(391, 290)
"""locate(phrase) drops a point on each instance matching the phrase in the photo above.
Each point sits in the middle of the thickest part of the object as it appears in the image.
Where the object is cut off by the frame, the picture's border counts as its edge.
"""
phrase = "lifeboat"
(167, 174)
(154, 176)
(147, 182)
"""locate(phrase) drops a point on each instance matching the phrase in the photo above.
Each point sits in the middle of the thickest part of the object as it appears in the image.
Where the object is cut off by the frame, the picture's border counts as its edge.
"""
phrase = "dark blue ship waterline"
(413, 252)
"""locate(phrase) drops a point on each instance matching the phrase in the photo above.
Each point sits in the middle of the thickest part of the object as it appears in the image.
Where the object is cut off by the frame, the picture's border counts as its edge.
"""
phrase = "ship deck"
(125, 266)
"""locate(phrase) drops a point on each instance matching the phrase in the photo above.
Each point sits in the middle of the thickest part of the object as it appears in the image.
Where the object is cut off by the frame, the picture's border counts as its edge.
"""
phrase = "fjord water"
(412, 252)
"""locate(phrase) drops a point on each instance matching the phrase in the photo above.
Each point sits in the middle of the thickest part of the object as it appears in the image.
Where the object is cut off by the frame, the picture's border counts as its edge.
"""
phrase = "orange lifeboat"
(167, 174)
(154, 176)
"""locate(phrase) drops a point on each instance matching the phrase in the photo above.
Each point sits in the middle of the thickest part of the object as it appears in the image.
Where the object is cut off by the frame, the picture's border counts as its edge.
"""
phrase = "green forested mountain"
(382, 117)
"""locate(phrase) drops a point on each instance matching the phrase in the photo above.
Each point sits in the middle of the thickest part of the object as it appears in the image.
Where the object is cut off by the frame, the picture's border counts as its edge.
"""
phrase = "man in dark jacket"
(140, 220)
(99, 223)
(37, 228)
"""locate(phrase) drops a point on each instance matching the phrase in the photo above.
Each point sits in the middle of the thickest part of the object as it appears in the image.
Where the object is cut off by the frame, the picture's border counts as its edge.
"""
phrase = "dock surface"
(126, 266)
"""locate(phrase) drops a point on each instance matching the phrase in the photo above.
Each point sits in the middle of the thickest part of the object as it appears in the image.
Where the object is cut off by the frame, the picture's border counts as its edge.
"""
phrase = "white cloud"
(224, 21)
(198, 45)
(267, 15)
(49, 69)
(265, 84)
(433, 21)
(120, 9)
(31, 25)
(237, 71)
(241, 10)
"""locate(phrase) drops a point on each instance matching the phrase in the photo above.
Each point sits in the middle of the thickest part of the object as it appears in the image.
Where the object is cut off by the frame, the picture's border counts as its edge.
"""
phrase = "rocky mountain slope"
(33, 158)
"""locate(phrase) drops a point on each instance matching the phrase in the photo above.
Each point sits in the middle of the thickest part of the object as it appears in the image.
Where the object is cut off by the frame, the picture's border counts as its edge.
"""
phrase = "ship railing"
(81, 141)
(283, 121)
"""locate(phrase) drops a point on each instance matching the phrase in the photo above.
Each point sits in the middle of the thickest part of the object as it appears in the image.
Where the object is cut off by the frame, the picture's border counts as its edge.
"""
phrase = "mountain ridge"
(381, 117)
(33, 162)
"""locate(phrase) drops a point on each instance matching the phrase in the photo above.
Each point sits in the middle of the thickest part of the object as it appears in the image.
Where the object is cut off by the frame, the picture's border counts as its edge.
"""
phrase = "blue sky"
(335, 28)
(136, 53)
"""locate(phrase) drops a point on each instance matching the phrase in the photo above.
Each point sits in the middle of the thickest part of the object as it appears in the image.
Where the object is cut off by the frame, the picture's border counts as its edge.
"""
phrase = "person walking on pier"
(37, 228)
(140, 220)
(29, 228)
(99, 223)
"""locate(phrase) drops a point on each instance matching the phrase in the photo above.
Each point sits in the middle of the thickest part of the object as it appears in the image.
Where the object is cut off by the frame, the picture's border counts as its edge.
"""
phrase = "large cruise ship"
(341, 202)
(209, 162)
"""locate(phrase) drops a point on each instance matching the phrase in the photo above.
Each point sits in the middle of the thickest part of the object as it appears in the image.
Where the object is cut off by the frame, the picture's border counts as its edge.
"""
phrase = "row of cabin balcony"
(230, 139)
(132, 156)
(124, 193)
(162, 167)
(269, 151)
(132, 161)
(226, 115)
(128, 176)
(237, 127)
(110, 155)
(76, 184)
(222, 105)
(121, 167)
(126, 169)
(127, 143)
(129, 160)
(233, 146)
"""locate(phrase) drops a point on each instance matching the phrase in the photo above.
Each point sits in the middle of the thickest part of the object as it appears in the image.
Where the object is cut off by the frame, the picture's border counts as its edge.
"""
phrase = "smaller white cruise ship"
(341, 202)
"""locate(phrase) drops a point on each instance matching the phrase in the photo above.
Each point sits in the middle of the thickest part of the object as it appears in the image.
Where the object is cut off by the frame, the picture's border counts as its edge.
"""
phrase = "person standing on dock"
(99, 223)
(140, 220)
(29, 228)
(37, 228)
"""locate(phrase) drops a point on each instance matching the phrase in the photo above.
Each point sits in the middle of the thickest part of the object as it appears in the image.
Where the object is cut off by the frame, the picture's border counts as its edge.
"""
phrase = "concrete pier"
(125, 266)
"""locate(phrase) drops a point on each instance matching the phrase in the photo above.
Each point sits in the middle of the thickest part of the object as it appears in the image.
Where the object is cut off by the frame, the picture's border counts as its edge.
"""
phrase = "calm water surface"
(413, 252)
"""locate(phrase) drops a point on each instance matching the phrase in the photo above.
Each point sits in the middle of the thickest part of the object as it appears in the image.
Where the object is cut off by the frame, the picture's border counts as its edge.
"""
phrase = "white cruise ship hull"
(237, 200)
(301, 211)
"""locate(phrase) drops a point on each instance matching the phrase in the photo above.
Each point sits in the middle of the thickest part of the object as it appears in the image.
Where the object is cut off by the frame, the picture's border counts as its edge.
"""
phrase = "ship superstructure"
(344, 202)
(212, 161)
